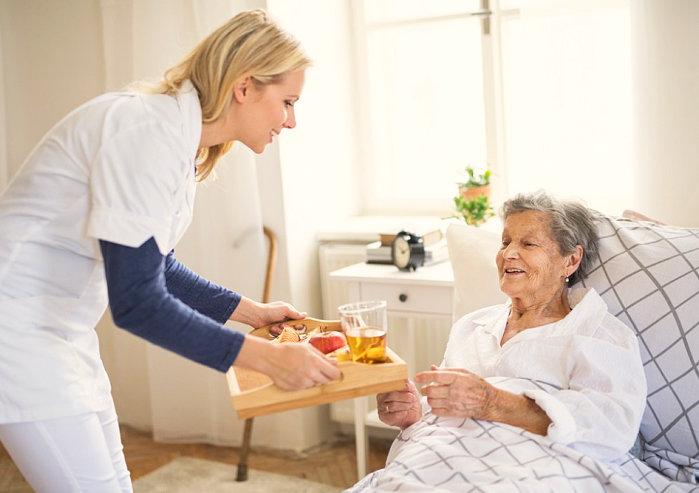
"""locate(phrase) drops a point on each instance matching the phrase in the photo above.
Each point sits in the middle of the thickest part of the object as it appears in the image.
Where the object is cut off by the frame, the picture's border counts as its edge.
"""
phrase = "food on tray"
(275, 330)
(287, 335)
(327, 342)
(332, 343)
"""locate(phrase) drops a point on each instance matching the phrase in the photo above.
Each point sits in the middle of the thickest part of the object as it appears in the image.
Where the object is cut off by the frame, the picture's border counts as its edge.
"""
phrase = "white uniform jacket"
(121, 168)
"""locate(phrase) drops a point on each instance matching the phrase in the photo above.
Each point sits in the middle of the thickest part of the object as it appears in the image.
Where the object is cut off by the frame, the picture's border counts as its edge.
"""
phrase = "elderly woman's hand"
(400, 408)
(456, 392)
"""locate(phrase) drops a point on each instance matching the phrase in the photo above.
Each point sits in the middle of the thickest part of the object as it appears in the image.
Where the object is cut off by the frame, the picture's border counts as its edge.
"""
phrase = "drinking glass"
(364, 324)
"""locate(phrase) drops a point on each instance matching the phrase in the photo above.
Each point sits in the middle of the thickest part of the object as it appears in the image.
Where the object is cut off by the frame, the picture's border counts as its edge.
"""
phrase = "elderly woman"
(529, 390)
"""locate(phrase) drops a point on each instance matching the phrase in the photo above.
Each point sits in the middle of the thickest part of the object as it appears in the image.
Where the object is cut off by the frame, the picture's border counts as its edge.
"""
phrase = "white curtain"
(56, 55)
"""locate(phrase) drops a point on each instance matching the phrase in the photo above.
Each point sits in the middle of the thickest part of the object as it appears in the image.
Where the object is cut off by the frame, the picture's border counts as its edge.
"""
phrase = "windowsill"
(365, 229)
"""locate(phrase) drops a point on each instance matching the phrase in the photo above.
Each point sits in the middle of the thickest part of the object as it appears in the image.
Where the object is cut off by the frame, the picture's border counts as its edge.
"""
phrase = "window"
(540, 91)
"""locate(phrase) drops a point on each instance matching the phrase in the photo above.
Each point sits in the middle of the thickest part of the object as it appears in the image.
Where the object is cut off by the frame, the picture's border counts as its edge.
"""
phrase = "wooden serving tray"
(254, 394)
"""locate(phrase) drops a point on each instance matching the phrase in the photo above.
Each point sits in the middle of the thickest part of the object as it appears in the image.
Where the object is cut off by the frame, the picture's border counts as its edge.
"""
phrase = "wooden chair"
(242, 474)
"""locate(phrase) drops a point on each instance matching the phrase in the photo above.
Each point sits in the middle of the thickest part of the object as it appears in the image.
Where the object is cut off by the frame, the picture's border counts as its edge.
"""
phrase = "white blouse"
(585, 371)
(119, 168)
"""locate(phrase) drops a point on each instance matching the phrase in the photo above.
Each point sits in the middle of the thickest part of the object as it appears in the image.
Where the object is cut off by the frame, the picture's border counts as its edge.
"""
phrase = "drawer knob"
(403, 297)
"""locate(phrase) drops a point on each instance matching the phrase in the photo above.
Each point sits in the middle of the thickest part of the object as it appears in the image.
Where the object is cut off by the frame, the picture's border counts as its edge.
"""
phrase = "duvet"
(466, 455)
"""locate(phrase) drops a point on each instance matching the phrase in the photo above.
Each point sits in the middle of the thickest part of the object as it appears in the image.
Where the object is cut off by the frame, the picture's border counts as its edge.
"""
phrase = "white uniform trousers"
(68, 455)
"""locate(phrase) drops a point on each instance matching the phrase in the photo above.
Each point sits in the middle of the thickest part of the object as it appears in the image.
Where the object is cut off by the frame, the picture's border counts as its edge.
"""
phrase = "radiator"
(333, 256)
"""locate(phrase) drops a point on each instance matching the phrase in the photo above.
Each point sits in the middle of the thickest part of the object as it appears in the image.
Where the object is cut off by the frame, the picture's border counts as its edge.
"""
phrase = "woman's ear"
(574, 260)
(241, 89)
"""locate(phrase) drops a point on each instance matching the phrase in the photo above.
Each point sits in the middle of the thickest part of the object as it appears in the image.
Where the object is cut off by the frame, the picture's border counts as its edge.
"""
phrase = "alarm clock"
(407, 251)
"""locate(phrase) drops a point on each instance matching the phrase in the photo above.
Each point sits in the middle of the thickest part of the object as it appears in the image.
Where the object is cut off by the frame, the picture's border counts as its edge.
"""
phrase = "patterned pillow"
(648, 275)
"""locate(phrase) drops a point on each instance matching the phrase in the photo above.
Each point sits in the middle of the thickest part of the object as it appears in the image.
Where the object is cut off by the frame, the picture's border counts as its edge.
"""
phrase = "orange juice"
(367, 344)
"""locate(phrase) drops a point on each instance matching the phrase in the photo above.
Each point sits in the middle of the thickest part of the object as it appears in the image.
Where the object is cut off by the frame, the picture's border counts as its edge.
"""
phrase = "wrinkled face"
(268, 109)
(529, 263)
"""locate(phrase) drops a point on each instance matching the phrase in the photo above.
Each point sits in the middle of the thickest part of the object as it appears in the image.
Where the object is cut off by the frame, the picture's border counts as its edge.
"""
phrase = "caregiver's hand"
(400, 408)
(456, 392)
(290, 366)
(257, 314)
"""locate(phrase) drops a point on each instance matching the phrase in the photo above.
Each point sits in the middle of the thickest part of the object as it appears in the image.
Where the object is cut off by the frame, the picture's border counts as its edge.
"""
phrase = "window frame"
(492, 97)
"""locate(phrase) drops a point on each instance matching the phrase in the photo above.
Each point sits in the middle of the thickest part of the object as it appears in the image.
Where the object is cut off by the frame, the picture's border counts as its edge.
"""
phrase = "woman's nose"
(510, 251)
(290, 121)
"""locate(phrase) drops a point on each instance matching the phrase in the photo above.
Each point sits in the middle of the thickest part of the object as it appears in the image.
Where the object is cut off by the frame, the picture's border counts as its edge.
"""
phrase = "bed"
(648, 275)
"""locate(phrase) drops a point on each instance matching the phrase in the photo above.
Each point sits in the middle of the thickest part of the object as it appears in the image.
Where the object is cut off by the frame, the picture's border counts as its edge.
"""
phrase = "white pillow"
(648, 275)
(472, 254)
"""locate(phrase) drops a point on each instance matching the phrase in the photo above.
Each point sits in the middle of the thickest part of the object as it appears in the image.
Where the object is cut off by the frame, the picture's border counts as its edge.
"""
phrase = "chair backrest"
(648, 275)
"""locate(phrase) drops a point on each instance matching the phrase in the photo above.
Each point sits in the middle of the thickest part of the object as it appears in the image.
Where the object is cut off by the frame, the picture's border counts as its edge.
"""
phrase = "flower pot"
(472, 193)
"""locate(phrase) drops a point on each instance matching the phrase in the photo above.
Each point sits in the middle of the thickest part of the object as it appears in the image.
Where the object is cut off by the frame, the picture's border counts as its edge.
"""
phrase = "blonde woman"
(92, 218)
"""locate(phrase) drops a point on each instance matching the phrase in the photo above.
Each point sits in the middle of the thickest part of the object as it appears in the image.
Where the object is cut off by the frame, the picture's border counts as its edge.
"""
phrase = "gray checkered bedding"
(466, 455)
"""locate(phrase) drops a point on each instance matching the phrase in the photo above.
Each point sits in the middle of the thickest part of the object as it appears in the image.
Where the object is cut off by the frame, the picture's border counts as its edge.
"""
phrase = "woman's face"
(530, 266)
(266, 110)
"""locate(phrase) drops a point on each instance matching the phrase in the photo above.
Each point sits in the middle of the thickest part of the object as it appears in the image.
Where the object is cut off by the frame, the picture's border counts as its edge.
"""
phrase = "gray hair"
(571, 224)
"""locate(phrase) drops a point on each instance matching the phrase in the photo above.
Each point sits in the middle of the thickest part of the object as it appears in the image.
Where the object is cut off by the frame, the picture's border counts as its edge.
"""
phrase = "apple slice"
(327, 342)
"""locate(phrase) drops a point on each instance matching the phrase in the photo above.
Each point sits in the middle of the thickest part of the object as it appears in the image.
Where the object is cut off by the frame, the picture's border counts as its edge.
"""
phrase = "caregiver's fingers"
(302, 366)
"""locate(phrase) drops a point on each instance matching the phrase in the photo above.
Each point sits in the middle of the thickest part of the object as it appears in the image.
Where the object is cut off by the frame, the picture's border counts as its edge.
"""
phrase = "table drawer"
(413, 299)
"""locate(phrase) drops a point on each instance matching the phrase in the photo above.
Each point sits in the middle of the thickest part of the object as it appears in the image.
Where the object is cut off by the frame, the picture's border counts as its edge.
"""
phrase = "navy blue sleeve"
(141, 304)
(208, 298)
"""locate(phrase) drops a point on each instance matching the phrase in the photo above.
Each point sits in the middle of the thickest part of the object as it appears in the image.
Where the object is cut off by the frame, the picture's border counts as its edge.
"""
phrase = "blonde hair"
(249, 45)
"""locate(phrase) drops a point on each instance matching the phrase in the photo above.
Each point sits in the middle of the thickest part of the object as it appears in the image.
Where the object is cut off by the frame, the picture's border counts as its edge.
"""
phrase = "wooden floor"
(333, 464)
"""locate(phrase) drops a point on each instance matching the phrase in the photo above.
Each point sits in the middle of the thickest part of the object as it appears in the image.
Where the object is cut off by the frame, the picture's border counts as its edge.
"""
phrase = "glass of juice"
(364, 324)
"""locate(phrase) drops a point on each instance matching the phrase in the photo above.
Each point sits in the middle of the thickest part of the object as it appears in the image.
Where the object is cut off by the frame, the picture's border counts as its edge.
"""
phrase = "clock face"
(400, 251)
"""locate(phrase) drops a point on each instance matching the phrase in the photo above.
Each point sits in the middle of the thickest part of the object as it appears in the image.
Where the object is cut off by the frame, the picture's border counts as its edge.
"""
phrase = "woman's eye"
(289, 103)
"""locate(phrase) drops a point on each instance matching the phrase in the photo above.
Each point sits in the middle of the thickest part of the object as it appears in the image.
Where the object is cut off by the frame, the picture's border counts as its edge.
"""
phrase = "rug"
(191, 475)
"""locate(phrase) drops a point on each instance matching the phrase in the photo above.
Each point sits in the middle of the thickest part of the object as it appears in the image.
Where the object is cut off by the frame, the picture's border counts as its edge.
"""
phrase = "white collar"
(188, 102)
(587, 312)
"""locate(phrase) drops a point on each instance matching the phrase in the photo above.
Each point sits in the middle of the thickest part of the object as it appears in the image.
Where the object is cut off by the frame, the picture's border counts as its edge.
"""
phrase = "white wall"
(665, 49)
(38, 94)
(319, 157)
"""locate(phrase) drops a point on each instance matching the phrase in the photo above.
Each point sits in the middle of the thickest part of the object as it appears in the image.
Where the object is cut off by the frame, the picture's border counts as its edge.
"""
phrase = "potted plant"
(473, 202)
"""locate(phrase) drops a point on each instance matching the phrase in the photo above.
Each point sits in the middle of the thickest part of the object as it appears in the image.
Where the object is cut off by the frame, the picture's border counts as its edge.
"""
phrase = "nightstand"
(424, 293)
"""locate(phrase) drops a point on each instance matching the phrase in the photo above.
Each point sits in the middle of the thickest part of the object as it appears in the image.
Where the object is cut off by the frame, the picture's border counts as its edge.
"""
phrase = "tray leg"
(244, 452)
